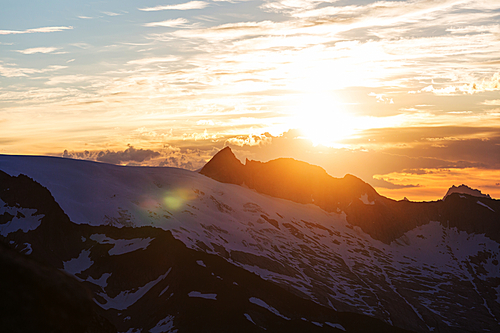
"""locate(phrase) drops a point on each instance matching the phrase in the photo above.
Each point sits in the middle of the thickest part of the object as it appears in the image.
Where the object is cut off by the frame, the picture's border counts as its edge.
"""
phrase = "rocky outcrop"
(226, 168)
(464, 189)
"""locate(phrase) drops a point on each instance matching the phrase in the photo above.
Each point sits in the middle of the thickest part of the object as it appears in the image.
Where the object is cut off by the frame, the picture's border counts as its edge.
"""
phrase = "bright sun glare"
(323, 120)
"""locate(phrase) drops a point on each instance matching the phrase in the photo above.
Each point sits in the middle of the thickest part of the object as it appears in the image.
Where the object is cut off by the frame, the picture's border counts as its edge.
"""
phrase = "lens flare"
(177, 199)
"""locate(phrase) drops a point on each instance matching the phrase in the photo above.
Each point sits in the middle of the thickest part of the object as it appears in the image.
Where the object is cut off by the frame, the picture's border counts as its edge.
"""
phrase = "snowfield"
(431, 274)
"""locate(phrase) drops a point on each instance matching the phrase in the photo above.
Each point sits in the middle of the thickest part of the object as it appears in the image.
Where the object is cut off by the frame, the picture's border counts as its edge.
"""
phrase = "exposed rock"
(464, 189)
(224, 167)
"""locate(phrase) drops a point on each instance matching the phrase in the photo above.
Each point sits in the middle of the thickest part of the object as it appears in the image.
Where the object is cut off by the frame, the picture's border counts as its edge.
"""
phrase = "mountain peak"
(464, 189)
(224, 167)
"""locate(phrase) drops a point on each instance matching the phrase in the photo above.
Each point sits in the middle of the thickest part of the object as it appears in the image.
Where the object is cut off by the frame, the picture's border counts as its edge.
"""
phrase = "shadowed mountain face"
(382, 218)
(142, 279)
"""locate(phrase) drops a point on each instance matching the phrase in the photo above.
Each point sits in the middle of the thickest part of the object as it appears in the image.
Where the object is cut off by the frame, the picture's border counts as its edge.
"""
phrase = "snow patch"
(261, 303)
(201, 263)
(122, 246)
(164, 290)
(201, 295)
(27, 249)
(79, 264)
(364, 199)
(484, 205)
(101, 282)
(497, 289)
(134, 330)
(25, 219)
(247, 316)
(165, 325)
(127, 298)
(338, 326)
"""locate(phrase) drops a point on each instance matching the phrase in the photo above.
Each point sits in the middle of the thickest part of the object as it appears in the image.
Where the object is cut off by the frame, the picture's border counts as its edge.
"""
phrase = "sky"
(403, 94)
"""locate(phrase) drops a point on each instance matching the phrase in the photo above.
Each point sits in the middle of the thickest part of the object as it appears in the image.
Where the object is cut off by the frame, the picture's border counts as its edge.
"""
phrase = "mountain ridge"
(198, 301)
(430, 275)
(381, 217)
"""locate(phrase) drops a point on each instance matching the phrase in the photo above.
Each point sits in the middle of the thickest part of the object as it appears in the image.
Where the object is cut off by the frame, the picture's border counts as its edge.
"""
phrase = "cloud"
(37, 50)
(115, 157)
(488, 84)
(168, 156)
(10, 71)
(204, 122)
(250, 140)
(381, 159)
(381, 182)
(381, 98)
(67, 79)
(494, 102)
(84, 17)
(147, 61)
(168, 23)
(111, 13)
(31, 31)
(183, 6)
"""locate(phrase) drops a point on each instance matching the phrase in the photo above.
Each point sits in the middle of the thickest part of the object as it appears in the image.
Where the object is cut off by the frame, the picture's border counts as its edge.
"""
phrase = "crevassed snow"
(127, 298)
(165, 325)
(364, 199)
(122, 246)
(261, 303)
(201, 295)
(30, 221)
(338, 326)
(79, 264)
(484, 205)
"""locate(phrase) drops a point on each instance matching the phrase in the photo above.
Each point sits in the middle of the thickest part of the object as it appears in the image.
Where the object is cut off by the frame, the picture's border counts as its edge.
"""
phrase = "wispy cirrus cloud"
(38, 50)
(35, 30)
(11, 70)
(112, 13)
(494, 102)
(168, 23)
(183, 6)
(147, 61)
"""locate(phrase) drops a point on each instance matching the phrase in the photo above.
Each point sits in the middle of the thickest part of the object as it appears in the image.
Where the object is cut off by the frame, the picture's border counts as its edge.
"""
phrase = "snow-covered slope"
(433, 278)
(142, 279)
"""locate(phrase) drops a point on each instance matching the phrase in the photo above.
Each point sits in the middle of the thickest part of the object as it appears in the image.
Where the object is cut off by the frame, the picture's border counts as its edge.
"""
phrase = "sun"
(321, 119)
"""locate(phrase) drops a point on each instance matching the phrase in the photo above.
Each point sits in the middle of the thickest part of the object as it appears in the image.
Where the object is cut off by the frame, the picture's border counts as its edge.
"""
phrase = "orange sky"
(403, 94)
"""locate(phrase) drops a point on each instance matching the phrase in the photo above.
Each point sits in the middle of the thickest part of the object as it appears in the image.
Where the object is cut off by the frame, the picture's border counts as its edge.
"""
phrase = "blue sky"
(416, 81)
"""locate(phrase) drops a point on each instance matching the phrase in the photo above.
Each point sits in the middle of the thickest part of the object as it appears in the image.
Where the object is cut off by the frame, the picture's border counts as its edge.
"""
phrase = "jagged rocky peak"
(224, 167)
(290, 179)
(464, 189)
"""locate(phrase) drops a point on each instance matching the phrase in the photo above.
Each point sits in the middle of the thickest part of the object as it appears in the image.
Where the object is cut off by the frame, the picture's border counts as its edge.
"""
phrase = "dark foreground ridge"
(382, 218)
(160, 287)
(40, 298)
